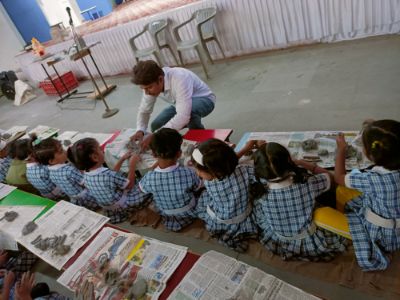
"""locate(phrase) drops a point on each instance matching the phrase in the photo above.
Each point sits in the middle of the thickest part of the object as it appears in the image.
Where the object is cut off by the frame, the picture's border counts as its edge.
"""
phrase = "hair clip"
(376, 143)
(36, 142)
(198, 157)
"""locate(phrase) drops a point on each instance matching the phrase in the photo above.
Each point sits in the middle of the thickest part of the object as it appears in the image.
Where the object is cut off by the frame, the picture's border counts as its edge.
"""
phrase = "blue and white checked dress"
(109, 189)
(229, 198)
(4, 166)
(381, 194)
(39, 176)
(70, 180)
(286, 210)
(173, 188)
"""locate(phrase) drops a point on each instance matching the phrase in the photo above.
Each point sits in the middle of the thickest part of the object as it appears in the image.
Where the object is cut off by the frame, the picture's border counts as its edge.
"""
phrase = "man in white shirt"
(190, 98)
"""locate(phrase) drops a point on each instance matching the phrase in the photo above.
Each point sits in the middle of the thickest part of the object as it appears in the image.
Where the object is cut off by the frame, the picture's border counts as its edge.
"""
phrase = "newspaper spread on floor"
(217, 276)
(5, 189)
(124, 257)
(61, 231)
(318, 146)
(42, 132)
(12, 220)
(121, 145)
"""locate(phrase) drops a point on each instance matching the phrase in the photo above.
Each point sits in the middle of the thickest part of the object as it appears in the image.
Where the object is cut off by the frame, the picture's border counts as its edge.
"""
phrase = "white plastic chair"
(157, 30)
(204, 19)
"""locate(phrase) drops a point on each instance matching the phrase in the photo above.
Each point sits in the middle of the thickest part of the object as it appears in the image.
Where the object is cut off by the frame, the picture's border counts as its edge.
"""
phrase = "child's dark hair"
(39, 290)
(381, 140)
(79, 153)
(166, 143)
(219, 159)
(20, 149)
(273, 160)
(44, 151)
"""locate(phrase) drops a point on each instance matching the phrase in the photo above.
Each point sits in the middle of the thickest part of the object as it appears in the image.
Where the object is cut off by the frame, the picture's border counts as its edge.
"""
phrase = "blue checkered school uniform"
(173, 191)
(284, 215)
(39, 176)
(70, 180)
(227, 199)
(4, 166)
(380, 195)
(109, 189)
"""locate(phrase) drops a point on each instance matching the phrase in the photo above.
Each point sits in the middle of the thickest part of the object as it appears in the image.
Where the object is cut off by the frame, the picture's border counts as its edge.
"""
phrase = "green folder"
(18, 197)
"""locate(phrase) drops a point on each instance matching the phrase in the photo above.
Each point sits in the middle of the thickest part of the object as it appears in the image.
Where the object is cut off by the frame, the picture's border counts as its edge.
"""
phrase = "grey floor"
(319, 87)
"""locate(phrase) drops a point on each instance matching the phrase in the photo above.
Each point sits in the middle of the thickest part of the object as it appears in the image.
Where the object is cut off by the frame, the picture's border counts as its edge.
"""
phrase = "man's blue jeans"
(201, 107)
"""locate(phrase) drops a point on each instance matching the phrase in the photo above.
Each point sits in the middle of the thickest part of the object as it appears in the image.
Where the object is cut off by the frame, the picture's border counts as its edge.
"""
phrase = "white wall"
(55, 11)
(11, 42)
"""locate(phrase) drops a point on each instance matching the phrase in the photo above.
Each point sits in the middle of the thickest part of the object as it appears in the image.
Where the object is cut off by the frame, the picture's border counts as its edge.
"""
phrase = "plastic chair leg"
(181, 58)
(159, 59)
(173, 55)
(219, 46)
(204, 44)
(203, 63)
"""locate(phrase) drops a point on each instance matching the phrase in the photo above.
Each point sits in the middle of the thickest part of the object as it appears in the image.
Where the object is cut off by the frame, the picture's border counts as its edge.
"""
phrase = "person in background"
(5, 160)
(20, 152)
(284, 213)
(117, 195)
(226, 204)
(174, 187)
(189, 97)
(374, 215)
(37, 171)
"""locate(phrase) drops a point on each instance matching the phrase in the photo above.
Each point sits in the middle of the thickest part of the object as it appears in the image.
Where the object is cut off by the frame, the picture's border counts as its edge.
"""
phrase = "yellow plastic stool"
(344, 195)
(332, 220)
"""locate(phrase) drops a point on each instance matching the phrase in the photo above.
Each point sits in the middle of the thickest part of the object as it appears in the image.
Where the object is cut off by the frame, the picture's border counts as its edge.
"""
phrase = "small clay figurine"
(29, 227)
(10, 216)
(309, 145)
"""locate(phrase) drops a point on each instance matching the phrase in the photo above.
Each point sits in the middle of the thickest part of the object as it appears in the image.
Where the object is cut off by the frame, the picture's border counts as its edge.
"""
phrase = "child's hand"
(251, 144)
(126, 155)
(24, 287)
(9, 280)
(341, 142)
(3, 257)
(135, 158)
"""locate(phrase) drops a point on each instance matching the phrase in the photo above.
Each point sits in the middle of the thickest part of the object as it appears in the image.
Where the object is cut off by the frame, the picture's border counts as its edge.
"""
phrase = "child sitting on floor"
(20, 152)
(226, 205)
(173, 186)
(285, 213)
(63, 174)
(37, 172)
(117, 194)
(5, 160)
(374, 216)
(12, 266)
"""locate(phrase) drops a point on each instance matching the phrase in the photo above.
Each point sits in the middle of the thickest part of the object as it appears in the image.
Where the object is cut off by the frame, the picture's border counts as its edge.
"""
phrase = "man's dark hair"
(146, 72)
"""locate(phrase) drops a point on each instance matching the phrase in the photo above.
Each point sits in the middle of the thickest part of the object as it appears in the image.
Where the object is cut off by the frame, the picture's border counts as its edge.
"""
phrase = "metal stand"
(82, 51)
(99, 93)
(70, 93)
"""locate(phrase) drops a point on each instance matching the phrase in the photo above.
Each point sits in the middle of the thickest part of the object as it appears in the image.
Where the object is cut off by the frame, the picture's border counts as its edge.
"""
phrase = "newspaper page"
(66, 138)
(10, 228)
(129, 257)
(217, 276)
(100, 137)
(121, 145)
(5, 190)
(317, 146)
(42, 132)
(61, 231)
